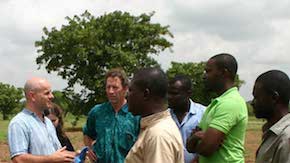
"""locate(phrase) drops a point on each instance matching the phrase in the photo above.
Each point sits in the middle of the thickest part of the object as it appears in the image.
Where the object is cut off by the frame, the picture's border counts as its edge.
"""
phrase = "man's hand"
(193, 139)
(90, 142)
(62, 155)
(195, 160)
(92, 156)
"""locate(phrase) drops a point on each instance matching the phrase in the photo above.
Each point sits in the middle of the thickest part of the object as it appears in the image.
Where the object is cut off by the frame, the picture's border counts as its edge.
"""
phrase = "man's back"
(159, 141)
(228, 114)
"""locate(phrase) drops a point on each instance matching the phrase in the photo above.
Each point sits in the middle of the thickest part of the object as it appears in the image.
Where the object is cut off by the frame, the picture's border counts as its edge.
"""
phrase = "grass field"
(253, 137)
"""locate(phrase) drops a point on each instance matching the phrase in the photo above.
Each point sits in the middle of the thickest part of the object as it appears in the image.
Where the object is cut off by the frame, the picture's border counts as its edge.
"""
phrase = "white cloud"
(255, 32)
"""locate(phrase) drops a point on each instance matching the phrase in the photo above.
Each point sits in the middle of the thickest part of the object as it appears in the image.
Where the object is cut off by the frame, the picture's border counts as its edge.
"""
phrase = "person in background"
(32, 136)
(111, 130)
(224, 122)
(55, 115)
(186, 113)
(271, 102)
(159, 140)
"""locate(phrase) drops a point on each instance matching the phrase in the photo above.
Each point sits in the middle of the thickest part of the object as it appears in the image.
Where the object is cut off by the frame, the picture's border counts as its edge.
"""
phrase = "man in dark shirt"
(110, 129)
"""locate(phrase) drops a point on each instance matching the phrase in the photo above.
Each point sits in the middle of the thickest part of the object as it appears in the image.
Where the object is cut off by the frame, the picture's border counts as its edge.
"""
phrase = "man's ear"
(226, 73)
(276, 96)
(146, 94)
(189, 92)
(31, 95)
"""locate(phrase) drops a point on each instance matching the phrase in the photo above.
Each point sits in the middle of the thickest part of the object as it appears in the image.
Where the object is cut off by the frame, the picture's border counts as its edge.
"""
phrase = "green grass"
(69, 120)
(3, 130)
(255, 124)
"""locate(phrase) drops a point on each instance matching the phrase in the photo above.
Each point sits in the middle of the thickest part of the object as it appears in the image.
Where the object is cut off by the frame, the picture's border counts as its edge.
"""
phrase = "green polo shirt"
(115, 133)
(228, 114)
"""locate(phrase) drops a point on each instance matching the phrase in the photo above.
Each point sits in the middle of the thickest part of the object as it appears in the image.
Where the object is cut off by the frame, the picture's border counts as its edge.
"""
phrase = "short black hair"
(277, 82)
(226, 61)
(152, 78)
(184, 79)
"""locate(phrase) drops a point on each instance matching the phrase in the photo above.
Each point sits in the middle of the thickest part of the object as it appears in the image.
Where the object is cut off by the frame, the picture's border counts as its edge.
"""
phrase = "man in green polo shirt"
(223, 125)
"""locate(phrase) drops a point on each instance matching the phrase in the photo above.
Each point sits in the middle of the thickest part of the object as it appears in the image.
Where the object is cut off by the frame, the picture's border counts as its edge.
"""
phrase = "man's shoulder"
(232, 100)
(165, 132)
(20, 118)
(100, 108)
(286, 131)
(165, 127)
(197, 106)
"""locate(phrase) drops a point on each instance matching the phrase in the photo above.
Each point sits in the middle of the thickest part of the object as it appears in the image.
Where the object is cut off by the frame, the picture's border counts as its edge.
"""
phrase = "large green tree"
(84, 49)
(9, 99)
(195, 71)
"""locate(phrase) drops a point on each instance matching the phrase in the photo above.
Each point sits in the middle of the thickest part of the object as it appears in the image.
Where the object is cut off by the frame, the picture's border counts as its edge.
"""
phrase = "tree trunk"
(4, 116)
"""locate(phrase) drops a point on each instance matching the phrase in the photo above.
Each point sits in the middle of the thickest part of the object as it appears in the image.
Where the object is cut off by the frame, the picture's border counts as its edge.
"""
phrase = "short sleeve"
(89, 127)
(225, 117)
(18, 139)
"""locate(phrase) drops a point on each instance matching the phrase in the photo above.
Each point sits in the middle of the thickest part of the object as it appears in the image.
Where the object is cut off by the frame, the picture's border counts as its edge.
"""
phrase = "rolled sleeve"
(89, 127)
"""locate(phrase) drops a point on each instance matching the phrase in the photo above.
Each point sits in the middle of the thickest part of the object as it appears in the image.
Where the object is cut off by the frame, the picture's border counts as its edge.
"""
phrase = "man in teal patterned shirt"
(110, 129)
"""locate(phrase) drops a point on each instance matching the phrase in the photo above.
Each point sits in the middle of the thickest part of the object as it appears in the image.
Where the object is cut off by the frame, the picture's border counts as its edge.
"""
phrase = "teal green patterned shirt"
(115, 133)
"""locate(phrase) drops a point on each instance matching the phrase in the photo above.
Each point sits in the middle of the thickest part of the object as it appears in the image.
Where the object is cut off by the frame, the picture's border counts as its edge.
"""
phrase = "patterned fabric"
(189, 122)
(115, 133)
(28, 134)
(159, 141)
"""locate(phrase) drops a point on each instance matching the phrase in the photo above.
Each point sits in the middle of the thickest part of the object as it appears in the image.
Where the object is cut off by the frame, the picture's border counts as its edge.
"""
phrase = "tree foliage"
(9, 99)
(83, 50)
(196, 71)
(70, 102)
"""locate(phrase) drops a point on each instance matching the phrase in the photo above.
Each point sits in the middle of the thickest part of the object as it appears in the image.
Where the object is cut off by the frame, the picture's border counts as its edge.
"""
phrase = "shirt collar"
(229, 91)
(153, 119)
(233, 89)
(29, 112)
(192, 109)
(279, 126)
(124, 108)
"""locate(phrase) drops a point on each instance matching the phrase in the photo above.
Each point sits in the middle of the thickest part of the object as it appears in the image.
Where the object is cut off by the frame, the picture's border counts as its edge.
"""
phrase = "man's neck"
(280, 112)
(228, 85)
(181, 111)
(153, 108)
(33, 109)
(119, 105)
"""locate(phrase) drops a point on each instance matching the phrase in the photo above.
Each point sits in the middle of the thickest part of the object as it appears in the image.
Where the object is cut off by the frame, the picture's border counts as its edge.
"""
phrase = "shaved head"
(34, 84)
(38, 94)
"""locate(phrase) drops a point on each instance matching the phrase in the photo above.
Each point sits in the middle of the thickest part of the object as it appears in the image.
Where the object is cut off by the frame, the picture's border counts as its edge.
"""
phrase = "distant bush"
(250, 109)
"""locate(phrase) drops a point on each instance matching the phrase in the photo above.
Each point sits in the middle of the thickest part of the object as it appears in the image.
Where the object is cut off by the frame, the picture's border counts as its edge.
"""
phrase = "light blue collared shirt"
(28, 134)
(189, 122)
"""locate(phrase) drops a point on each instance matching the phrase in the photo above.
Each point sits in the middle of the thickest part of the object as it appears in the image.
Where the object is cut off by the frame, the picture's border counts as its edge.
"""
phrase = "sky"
(255, 32)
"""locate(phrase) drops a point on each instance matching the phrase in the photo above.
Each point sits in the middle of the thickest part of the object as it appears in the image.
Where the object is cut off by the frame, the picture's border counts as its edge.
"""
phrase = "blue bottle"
(80, 158)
